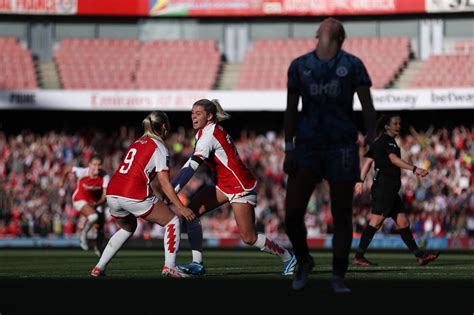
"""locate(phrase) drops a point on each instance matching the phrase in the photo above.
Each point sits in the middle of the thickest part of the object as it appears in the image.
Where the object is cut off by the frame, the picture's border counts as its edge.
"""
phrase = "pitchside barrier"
(181, 100)
(379, 242)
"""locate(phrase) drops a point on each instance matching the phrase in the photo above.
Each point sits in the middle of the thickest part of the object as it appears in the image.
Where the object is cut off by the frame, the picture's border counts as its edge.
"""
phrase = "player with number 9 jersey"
(145, 157)
(129, 195)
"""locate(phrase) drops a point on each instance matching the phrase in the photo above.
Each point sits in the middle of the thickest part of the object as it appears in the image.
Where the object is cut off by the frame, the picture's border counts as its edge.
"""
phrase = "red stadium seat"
(445, 71)
(268, 59)
(17, 70)
(116, 63)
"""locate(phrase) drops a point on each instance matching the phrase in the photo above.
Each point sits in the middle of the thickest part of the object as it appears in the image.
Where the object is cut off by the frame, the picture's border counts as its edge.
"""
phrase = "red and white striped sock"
(171, 241)
(266, 244)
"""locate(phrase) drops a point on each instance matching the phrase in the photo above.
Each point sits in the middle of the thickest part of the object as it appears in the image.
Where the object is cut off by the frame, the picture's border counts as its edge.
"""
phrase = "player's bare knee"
(129, 223)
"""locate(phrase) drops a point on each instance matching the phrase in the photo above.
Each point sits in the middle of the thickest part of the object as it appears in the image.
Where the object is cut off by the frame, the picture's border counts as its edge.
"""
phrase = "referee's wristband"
(289, 146)
(414, 169)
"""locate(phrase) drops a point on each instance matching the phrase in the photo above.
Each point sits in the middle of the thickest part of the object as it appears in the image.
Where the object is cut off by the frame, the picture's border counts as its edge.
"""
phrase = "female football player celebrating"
(130, 196)
(234, 184)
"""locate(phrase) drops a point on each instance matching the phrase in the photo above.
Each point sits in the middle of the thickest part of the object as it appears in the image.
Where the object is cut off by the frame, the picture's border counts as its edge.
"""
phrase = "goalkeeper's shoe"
(302, 271)
(363, 262)
(339, 286)
(194, 268)
(173, 273)
(427, 257)
(96, 272)
(289, 266)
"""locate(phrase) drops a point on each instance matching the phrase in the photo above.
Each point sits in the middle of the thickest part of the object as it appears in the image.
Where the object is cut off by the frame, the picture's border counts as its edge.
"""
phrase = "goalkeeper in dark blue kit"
(321, 143)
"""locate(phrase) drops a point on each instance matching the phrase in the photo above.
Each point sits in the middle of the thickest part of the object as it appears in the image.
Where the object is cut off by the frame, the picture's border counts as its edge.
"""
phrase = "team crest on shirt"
(341, 71)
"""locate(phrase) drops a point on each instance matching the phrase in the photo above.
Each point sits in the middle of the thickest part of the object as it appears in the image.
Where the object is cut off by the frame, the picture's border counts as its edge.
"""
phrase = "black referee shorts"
(385, 198)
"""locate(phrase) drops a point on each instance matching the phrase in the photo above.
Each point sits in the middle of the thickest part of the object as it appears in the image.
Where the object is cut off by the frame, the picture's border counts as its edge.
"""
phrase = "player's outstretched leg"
(266, 244)
(196, 267)
(245, 217)
(164, 216)
(127, 225)
(171, 244)
(91, 220)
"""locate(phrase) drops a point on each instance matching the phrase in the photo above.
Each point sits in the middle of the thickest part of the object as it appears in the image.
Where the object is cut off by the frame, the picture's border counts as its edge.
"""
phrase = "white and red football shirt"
(89, 188)
(144, 158)
(215, 145)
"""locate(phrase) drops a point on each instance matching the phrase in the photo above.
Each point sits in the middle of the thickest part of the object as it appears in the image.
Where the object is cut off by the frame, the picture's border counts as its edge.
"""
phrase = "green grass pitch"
(244, 281)
(225, 264)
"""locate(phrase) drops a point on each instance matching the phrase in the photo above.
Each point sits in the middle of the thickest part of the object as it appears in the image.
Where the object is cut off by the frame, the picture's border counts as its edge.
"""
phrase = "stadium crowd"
(33, 203)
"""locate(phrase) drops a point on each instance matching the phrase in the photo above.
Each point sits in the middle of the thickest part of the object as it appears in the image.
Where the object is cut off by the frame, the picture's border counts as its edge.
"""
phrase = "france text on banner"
(182, 100)
(449, 6)
(53, 7)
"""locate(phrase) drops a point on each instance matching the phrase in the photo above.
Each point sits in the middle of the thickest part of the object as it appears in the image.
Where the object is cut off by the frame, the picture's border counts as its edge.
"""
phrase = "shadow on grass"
(230, 296)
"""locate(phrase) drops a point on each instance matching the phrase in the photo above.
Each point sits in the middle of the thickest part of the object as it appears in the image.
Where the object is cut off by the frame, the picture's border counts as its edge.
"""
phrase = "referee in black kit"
(385, 198)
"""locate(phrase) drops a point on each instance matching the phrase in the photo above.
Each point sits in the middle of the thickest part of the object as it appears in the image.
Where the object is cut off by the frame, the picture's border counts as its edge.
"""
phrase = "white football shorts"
(249, 197)
(121, 207)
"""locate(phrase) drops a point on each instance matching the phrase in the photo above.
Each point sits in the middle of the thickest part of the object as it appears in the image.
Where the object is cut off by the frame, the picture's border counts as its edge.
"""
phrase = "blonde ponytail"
(220, 113)
(153, 124)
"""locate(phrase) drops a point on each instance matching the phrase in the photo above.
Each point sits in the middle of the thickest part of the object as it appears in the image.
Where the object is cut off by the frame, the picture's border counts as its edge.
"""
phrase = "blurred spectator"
(31, 165)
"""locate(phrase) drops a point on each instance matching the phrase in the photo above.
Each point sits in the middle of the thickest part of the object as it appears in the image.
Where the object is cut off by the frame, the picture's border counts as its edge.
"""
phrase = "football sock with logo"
(114, 244)
(266, 244)
(171, 241)
(365, 239)
(409, 241)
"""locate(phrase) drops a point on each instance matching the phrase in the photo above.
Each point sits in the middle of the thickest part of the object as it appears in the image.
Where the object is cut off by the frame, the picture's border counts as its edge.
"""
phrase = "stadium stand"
(17, 70)
(97, 63)
(178, 64)
(464, 47)
(266, 63)
(130, 64)
(446, 71)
